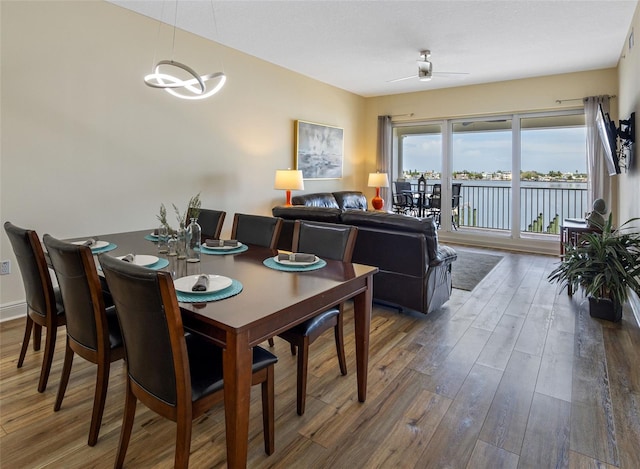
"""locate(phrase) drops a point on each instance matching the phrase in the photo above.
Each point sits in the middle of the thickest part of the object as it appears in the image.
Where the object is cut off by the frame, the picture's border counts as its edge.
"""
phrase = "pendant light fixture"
(179, 79)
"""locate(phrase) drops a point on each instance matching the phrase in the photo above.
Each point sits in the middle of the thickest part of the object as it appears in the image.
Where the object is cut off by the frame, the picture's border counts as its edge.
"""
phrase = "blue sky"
(543, 150)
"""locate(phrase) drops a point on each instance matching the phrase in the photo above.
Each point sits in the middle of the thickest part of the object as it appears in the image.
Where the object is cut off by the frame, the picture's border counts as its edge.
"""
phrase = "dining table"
(269, 302)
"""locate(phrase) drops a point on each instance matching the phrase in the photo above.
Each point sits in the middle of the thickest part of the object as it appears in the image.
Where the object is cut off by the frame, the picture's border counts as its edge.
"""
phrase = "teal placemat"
(151, 238)
(269, 262)
(231, 290)
(107, 248)
(222, 252)
(161, 264)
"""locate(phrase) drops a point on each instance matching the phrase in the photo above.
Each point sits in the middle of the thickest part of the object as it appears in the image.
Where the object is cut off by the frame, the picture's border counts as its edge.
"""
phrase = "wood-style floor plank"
(507, 418)
(485, 455)
(546, 440)
(592, 419)
(512, 374)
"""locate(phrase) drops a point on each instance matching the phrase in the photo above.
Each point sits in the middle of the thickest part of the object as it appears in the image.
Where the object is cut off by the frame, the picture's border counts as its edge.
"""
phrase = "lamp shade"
(378, 180)
(289, 179)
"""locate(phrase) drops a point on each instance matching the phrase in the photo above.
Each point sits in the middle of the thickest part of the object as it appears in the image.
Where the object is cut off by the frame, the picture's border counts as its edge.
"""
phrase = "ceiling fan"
(425, 69)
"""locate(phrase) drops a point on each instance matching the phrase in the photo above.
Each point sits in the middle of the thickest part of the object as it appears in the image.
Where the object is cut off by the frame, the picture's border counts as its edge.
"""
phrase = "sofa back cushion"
(351, 200)
(304, 212)
(319, 199)
(392, 251)
(301, 212)
(391, 221)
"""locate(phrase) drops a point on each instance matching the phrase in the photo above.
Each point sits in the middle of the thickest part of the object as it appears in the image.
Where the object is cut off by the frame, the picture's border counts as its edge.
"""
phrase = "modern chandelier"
(189, 84)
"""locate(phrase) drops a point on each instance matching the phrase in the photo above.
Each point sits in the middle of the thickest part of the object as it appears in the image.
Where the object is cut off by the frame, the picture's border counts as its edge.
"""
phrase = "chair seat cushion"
(316, 323)
(205, 365)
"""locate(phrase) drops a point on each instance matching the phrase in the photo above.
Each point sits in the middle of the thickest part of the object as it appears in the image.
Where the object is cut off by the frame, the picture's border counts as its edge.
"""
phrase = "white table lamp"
(378, 180)
(289, 180)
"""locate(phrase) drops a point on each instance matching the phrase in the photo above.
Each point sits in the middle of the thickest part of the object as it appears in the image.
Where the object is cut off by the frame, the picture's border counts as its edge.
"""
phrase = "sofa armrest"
(445, 255)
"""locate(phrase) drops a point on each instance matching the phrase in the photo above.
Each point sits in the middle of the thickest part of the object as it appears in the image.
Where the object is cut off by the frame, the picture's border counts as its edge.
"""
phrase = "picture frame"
(319, 150)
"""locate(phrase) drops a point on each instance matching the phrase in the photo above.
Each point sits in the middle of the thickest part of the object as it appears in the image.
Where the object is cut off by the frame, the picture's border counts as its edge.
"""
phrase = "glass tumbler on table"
(163, 239)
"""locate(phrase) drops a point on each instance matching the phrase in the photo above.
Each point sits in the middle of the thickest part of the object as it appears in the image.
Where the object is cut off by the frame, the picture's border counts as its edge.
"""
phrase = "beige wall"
(629, 86)
(87, 148)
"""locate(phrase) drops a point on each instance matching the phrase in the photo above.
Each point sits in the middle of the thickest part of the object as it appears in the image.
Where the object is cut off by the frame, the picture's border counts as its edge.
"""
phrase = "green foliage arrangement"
(193, 210)
(604, 264)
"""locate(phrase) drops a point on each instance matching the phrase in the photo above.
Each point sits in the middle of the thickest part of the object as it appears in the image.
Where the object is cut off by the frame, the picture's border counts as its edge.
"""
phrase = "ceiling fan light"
(425, 75)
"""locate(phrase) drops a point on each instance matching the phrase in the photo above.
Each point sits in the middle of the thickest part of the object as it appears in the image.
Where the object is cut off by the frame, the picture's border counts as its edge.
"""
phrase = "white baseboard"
(12, 311)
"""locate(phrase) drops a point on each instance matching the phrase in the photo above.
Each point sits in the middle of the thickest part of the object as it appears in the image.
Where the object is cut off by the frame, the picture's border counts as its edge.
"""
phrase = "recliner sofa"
(415, 270)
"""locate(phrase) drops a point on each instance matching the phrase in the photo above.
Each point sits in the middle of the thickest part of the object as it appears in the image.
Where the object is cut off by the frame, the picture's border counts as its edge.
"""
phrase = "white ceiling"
(360, 45)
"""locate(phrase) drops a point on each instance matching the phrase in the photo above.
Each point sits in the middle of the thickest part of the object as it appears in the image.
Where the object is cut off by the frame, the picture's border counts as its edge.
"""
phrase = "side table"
(570, 232)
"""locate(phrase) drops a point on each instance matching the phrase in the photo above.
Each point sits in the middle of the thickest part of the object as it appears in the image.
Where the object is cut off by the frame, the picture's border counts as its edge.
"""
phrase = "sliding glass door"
(481, 161)
(519, 174)
(553, 180)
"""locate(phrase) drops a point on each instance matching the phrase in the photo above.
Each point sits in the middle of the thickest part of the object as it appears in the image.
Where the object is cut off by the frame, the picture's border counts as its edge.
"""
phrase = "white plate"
(216, 283)
(288, 262)
(153, 235)
(221, 248)
(143, 260)
(97, 245)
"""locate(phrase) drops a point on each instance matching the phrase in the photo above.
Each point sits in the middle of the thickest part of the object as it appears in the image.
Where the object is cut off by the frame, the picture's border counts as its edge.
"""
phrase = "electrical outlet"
(5, 267)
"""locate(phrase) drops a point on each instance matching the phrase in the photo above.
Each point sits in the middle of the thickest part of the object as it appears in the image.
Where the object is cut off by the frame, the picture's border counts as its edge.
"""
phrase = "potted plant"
(605, 264)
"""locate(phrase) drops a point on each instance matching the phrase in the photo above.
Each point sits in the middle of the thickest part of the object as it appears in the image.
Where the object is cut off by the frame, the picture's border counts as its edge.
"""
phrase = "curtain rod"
(560, 101)
(402, 115)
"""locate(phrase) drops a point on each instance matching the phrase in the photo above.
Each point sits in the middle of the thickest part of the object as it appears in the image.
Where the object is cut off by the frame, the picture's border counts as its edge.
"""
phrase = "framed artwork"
(319, 150)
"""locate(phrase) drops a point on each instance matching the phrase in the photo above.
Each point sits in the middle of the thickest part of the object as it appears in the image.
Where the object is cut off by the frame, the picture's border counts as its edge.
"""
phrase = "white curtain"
(599, 183)
(383, 156)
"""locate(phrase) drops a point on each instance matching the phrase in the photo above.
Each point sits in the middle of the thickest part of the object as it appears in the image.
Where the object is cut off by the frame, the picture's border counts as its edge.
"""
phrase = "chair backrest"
(152, 331)
(256, 229)
(402, 186)
(436, 196)
(81, 292)
(33, 268)
(455, 194)
(211, 222)
(325, 240)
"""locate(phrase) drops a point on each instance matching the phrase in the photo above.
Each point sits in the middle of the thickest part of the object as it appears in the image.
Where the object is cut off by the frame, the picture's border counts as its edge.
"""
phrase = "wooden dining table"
(270, 302)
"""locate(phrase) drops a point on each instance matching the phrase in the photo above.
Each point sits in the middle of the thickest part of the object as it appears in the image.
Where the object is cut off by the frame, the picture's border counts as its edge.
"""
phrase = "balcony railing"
(543, 205)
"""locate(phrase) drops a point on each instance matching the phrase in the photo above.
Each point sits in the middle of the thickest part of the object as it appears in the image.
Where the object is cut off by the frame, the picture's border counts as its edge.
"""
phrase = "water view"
(543, 204)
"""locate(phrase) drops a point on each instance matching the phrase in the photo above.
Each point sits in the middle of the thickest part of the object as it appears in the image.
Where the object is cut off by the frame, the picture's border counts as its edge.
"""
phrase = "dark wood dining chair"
(210, 222)
(435, 203)
(44, 302)
(177, 376)
(92, 329)
(327, 241)
(455, 204)
(256, 229)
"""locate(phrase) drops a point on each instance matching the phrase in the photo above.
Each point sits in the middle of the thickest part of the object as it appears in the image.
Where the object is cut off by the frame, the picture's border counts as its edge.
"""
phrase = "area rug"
(471, 267)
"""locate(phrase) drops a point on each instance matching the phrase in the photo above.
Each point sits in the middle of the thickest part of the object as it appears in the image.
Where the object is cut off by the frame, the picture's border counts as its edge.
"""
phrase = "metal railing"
(542, 206)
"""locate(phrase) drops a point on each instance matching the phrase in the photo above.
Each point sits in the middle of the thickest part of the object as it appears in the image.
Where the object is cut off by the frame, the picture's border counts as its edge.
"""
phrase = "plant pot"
(604, 308)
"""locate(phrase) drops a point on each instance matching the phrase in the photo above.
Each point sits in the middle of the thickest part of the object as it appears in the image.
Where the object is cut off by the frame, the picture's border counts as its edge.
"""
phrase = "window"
(530, 168)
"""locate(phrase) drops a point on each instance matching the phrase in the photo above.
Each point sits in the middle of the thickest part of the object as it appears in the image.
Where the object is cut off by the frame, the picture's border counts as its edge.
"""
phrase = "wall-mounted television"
(609, 138)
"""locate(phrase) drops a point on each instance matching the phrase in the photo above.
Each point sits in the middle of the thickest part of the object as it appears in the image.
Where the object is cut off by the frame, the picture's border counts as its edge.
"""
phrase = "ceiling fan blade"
(402, 79)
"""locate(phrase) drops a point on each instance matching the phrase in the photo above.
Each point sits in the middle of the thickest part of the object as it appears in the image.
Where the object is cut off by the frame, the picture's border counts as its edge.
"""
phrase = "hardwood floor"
(512, 374)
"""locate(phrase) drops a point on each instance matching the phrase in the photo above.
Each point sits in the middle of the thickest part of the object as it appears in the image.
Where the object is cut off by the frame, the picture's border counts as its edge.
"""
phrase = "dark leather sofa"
(415, 270)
